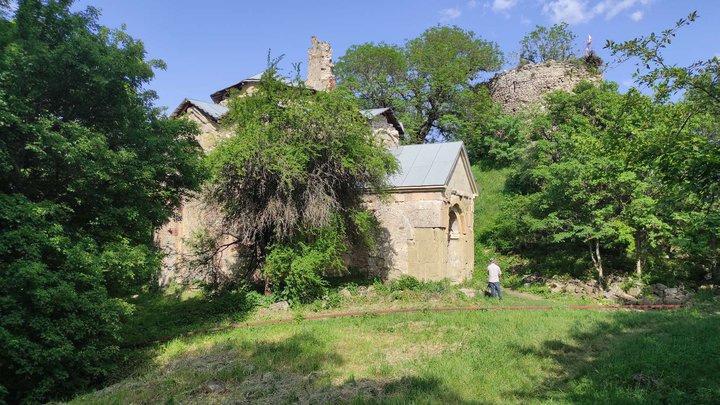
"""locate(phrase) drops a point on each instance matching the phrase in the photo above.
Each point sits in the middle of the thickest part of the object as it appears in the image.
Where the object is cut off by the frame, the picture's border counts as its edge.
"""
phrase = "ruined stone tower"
(320, 75)
(519, 88)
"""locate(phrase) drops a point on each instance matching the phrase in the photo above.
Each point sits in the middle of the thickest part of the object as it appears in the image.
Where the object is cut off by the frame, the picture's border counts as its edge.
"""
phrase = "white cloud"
(503, 5)
(472, 3)
(525, 20)
(448, 14)
(636, 16)
(580, 11)
(569, 11)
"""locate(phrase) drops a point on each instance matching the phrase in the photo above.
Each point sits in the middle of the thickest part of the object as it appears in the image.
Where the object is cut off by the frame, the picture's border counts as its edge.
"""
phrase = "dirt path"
(521, 294)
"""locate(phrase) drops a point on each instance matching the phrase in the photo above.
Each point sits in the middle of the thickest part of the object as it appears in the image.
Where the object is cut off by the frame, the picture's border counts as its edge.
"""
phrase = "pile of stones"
(616, 290)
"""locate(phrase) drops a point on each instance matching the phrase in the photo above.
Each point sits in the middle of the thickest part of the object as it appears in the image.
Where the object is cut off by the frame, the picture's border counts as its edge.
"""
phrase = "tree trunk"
(596, 259)
(639, 256)
(260, 253)
(714, 257)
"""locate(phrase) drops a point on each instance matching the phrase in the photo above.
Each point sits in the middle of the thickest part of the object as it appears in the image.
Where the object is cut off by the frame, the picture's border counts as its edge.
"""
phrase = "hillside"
(561, 355)
(515, 356)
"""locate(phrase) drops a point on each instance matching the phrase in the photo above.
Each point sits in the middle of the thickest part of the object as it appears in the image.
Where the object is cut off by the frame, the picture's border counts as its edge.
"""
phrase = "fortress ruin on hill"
(526, 85)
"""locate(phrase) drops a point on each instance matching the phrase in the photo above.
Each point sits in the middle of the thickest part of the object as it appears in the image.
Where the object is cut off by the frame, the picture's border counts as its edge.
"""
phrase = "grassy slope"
(557, 356)
(488, 204)
(490, 184)
(464, 357)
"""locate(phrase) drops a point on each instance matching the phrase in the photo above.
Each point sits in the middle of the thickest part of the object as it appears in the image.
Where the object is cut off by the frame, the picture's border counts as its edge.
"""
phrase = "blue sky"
(212, 44)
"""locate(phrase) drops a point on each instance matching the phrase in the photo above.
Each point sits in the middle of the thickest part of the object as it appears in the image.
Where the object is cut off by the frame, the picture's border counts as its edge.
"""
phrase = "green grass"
(488, 203)
(556, 356)
(479, 357)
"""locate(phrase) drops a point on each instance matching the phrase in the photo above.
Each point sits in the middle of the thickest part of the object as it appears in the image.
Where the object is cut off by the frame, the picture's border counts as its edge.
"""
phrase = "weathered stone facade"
(527, 85)
(425, 234)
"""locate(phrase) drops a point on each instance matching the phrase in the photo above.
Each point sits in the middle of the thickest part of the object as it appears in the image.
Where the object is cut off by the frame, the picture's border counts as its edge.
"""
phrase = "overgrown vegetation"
(87, 169)
(598, 182)
(613, 181)
(545, 44)
(289, 183)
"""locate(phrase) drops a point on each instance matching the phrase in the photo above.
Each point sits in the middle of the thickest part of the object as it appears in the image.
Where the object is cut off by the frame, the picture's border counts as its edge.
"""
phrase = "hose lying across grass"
(406, 310)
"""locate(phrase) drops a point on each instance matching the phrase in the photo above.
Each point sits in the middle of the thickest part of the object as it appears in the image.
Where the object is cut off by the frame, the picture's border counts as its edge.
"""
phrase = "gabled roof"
(215, 111)
(222, 94)
(429, 166)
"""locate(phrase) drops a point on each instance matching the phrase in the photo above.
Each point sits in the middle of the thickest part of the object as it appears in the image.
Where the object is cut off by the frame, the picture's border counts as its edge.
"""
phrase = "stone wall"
(385, 131)
(210, 131)
(416, 238)
(173, 238)
(320, 76)
(527, 85)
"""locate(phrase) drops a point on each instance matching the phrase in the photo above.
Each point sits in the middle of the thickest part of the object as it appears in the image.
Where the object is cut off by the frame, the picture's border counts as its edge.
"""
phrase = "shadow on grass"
(159, 315)
(299, 368)
(659, 357)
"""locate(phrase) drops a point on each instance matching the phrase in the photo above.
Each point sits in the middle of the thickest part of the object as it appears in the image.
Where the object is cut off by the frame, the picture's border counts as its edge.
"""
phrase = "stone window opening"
(453, 226)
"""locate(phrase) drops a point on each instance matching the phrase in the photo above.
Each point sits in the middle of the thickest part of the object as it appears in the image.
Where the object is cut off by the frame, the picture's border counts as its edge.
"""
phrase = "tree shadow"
(158, 316)
(296, 369)
(636, 357)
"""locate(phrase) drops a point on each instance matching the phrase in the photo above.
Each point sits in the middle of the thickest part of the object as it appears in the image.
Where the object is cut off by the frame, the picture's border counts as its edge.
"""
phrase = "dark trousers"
(495, 287)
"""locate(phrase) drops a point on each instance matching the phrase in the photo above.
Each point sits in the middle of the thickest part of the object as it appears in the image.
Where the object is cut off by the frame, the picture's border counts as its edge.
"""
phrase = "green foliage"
(289, 182)
(375, 73)
(591, 176)
(405, 283)
(297, 268)
(545, 44)
(58, 329)
(492, 137)
(700, 79)
(690, 162)
(87, 168)
(423, 81)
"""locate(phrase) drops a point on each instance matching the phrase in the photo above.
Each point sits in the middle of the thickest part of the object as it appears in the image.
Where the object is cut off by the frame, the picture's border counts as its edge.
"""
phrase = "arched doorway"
(455, 242)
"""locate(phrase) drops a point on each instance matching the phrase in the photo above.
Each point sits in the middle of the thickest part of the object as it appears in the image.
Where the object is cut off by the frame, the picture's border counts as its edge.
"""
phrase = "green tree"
(589, 176)
(544, 44)
(377, 74)
(87, 169)
(690, 161)
(439, 66)
(289, 181)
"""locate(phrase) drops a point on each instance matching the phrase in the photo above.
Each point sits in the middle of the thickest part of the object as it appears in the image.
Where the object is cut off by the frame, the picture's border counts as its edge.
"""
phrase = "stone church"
(426, 223)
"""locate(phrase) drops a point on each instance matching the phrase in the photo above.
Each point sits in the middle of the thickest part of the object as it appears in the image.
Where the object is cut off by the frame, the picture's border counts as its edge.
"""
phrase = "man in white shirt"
(494, 278)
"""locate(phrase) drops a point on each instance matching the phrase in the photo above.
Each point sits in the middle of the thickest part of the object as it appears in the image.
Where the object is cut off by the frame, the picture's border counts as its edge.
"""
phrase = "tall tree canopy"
(692, 164)
(596, 173)
(293, 175)
(424, 80)
(87, 169)
(544, 44)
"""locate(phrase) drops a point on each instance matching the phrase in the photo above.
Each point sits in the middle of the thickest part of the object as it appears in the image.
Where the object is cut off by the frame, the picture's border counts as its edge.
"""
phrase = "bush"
(298, 268)
(593, 61)
(405, 283)
(58, 328)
